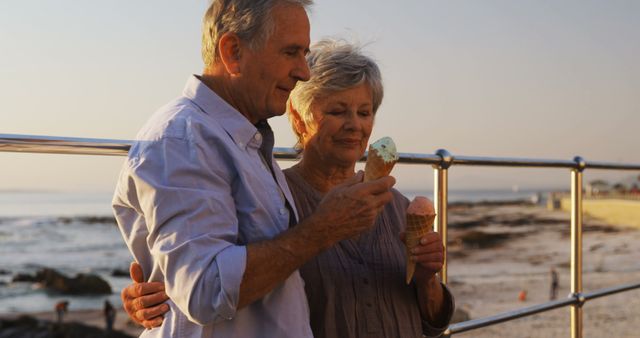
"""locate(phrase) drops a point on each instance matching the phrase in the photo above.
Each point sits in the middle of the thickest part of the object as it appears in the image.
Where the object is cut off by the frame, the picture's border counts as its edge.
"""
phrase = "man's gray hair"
(335, 65)
(251, 20)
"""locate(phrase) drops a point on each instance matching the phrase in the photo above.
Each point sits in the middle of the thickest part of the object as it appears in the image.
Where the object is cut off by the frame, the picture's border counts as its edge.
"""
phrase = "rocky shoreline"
(52, 280)
(77, 324)
(26, 326)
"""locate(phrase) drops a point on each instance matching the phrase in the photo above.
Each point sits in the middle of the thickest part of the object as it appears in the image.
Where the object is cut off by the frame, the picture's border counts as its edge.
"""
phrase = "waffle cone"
(417, 226)
(376, 167)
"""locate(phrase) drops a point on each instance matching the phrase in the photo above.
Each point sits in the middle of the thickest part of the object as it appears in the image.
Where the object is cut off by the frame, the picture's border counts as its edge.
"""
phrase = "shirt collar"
(232, 121)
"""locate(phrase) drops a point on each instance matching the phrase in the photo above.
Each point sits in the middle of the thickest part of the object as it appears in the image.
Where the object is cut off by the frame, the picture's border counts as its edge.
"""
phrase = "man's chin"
(278, 110)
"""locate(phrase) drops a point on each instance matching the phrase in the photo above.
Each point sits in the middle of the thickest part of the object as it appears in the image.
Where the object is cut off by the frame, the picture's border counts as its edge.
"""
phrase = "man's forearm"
(344, 212)
(271, 262)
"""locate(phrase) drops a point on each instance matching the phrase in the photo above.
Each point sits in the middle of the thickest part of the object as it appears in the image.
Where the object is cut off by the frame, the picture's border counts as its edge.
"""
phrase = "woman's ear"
(296, 119)
(229, 48)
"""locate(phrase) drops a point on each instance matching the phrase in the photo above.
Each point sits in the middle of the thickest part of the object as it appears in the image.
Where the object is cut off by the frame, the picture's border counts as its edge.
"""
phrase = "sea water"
(70, 232)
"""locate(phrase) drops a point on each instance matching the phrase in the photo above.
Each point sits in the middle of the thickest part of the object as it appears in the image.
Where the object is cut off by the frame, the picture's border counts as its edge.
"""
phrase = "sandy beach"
(497, 251)
(487, 281)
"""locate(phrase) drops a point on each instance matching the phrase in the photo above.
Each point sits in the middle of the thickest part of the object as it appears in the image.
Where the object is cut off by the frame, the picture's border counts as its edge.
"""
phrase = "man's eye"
(335, 112)
(364, 113)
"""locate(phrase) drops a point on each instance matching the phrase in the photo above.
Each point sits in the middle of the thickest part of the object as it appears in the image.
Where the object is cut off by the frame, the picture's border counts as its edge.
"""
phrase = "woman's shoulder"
(296, 183)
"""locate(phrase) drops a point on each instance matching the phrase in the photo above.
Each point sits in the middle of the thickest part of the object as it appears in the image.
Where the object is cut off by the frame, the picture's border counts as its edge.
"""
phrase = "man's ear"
(230, 52)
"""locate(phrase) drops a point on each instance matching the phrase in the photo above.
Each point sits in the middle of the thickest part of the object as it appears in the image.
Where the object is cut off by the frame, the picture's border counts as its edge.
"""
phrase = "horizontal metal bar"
(415, 158)
(63, 145)
(510, 315)
(512, 162)
(611, 165)
(285, 153)
(92, 146)
(528, 311)
(609, 291)
(89, 146)
(544, 163)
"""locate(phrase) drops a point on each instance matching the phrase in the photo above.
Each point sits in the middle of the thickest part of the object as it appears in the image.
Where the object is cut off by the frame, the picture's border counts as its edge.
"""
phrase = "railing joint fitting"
(581, 164)
(579, 297)
(446, 159)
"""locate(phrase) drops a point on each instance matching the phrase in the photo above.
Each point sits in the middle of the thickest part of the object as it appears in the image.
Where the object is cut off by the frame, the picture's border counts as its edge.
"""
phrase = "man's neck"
(220, 83)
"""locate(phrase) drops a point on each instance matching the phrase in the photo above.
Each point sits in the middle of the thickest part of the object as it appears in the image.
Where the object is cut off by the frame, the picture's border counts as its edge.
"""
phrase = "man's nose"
(301, 72)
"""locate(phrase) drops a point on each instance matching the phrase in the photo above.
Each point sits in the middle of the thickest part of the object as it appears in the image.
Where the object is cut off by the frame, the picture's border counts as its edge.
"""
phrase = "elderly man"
(202, 204)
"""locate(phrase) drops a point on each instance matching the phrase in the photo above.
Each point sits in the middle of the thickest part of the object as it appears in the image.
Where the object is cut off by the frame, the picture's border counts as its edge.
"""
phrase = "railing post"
(440, 196)
(576, 246)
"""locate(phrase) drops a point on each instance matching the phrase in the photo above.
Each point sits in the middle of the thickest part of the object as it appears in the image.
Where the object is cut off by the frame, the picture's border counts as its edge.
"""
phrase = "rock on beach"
(82, 284)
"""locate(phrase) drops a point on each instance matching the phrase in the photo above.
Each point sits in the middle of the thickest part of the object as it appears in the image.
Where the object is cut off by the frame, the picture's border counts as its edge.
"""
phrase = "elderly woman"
(357, 287)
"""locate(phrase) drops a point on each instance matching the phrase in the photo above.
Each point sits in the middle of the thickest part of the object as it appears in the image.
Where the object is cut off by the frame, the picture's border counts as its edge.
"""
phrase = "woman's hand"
(429, 258)
(428, 255)
(144, 302)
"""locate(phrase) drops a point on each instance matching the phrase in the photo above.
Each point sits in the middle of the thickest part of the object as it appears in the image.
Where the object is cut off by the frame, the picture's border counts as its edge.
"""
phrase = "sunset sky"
(544, 79)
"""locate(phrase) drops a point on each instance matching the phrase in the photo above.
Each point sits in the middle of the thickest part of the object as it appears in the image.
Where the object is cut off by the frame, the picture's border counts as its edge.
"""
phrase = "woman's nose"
(353, 121)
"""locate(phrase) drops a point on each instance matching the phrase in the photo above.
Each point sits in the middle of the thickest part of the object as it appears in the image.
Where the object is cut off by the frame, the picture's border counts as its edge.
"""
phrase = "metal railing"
(441, 161)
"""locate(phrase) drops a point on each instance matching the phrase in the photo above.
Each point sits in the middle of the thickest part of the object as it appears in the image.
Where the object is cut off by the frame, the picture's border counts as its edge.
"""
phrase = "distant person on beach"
(201, 202)
(109, 316)
(555, 283)
(357, 287)
(522, 296)
(61, 308)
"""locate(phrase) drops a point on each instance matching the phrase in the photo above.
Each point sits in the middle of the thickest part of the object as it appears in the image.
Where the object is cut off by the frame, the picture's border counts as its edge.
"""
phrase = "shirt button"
(240, 144)
(257, 137)
(283, 211)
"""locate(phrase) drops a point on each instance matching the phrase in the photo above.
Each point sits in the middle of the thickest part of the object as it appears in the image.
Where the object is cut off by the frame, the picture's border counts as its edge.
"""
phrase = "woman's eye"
(335, 112)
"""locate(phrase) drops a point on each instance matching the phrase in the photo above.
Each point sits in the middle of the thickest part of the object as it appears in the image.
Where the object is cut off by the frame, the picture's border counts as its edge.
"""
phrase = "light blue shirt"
(193, 192)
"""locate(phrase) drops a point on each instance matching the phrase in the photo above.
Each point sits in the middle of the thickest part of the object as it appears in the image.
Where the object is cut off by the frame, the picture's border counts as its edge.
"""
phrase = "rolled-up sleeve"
(192, 226)
(430, 330)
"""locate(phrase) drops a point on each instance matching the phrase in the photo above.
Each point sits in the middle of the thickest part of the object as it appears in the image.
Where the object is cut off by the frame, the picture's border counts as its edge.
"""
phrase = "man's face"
(270, 73)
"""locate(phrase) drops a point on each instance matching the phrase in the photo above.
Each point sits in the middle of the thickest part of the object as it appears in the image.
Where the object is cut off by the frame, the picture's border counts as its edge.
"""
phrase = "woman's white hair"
(335, 65)
(251, 20)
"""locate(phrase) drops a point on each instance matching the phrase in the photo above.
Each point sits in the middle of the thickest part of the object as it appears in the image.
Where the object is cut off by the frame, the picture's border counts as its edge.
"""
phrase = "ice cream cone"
(381, 159)
(420, 217)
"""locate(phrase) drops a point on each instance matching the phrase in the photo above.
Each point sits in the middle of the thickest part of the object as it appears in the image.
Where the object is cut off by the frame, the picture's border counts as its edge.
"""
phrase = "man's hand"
(144, 301)
(352, 207)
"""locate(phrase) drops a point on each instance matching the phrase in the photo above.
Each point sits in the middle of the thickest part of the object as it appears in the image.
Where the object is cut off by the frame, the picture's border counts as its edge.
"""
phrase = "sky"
(532, 78)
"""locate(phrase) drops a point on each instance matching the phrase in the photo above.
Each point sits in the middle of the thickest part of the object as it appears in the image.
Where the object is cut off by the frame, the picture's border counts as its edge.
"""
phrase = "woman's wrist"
(433, 306)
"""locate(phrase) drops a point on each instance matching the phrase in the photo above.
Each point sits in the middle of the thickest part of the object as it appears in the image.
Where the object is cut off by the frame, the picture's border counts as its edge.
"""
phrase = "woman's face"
(342, 123)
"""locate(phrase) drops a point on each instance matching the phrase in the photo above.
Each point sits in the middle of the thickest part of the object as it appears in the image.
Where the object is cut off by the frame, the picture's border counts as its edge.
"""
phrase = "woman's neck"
(322, 176)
